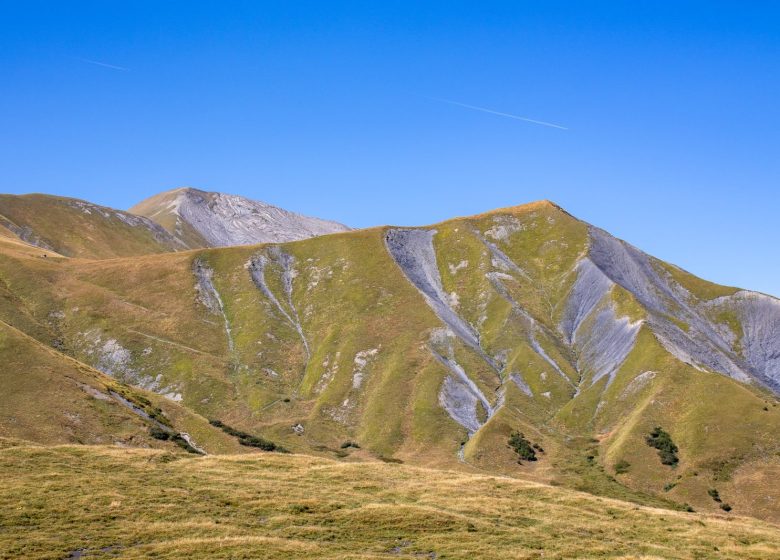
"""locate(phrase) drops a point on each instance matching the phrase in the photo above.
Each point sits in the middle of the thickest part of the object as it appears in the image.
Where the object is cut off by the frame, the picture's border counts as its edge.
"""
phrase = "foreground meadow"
(106, 502)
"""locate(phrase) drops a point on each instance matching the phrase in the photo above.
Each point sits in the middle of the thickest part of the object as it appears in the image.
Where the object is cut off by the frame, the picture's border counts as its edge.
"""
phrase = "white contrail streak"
(103, 64)
(500, 114)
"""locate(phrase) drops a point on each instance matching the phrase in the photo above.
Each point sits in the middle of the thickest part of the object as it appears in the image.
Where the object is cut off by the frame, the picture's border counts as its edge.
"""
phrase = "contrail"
(103, 64)
(500, 114)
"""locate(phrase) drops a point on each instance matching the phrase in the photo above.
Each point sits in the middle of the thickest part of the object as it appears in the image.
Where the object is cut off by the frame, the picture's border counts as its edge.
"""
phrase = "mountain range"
(210, 319)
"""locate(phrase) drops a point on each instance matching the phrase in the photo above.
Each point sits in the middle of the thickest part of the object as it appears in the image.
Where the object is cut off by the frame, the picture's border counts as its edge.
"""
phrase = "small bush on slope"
(622, 466)
(523, 447)
(662, 441)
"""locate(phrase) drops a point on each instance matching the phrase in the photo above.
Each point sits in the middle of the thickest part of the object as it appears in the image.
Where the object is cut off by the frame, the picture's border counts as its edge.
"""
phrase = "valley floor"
(108, 502)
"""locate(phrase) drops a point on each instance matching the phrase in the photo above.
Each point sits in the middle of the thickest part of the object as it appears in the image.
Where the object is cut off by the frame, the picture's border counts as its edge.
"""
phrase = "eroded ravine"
(257, 267)
(209, 295)
(413, 252)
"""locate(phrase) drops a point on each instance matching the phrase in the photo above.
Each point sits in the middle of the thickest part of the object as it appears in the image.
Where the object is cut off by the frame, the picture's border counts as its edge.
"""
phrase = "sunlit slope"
(52, 399)
(432, 345)
(143, 503)
(76, 228)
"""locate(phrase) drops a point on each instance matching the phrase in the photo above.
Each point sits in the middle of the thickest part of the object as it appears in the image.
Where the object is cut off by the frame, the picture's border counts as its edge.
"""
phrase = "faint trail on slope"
(172, 343)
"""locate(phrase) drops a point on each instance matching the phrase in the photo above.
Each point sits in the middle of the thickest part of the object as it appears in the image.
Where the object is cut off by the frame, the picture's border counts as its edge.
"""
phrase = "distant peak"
(527, 207)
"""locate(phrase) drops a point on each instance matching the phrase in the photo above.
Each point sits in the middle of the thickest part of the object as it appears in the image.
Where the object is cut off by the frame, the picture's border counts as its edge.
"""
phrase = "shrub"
(725, 507)
(348, 444)
(248, 439)
(158, 433)
(184, 444)
(522, 447)
(662, 441)
(622, 466)
(714, 494)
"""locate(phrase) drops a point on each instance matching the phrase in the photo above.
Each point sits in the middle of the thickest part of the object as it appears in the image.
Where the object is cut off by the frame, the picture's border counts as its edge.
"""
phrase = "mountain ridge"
(431, 345)
(220, 219)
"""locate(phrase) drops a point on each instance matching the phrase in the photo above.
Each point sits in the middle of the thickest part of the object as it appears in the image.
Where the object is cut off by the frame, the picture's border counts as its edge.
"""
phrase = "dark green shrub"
(522, 447)
(158, 433)
(662, 441)
(714, 494)
(622, 466)
(248, 439)
(725, 507)
(181, 442)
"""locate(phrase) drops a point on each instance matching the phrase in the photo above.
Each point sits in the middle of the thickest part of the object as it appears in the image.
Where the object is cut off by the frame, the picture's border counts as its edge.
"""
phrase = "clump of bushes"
(164, 435)
(248, 439)
(715, 495)
(526, 451)
(348, 444)
(622, 466)
(662, 441)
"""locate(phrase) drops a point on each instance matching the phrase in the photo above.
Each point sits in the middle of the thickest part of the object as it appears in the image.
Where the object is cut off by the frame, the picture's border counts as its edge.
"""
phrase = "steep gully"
(601, 348)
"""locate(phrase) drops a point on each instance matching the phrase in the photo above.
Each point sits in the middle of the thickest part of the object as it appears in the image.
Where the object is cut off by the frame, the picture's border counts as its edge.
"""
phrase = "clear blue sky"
(671, 112)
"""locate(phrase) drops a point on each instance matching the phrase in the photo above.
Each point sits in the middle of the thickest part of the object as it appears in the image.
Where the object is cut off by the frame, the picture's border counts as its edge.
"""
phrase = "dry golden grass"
(111, 502)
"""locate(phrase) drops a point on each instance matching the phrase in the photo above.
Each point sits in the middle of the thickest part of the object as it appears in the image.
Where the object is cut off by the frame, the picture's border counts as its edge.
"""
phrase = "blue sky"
(670, 114)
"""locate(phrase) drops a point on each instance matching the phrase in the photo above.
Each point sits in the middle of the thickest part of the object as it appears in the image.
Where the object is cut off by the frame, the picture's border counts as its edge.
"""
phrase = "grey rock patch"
(459, 395)
(637, 384)
(257, 267)
(225, 220)
(588, 290)
(606, 344)
(518, 380)
(412, 250)
(701, 345)
(362, 358)
(209, 296)
(460, 403)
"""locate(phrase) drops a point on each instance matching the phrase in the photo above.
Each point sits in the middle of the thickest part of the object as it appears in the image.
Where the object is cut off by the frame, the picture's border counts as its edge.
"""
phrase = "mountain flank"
(435, 346)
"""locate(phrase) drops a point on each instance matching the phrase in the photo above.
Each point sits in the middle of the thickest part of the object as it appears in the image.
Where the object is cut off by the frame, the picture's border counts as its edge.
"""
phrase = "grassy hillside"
(52, 399)
(334, 339)
(76, 228)
(107, 502)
